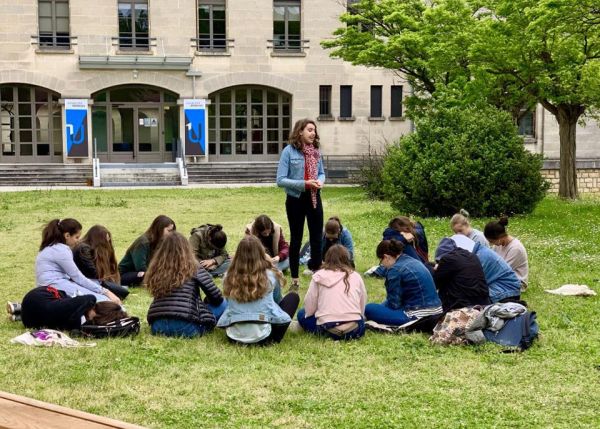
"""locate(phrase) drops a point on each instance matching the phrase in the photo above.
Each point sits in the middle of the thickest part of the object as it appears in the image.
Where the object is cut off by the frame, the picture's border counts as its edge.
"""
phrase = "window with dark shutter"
(376, 91)
(346, 101)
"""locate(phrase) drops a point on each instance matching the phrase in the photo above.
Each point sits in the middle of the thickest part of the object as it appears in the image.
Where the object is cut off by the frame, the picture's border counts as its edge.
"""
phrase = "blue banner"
(76, 128)
(195, 127)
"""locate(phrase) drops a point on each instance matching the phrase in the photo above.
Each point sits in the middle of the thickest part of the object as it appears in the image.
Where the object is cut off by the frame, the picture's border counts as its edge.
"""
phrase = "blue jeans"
(381, 313)
(183, 328)
(221, 269)
(309, 324)
(283, 265)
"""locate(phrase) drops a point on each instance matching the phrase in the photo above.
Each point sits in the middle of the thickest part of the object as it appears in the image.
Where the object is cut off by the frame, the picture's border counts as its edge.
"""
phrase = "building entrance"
(135, 124)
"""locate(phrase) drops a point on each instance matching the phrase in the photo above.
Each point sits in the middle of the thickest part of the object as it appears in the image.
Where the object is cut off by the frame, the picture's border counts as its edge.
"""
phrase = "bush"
(468, 158)
(370, 174)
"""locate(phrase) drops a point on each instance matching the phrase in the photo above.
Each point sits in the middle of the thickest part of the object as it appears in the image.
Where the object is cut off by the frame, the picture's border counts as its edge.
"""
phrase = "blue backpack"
(518, 332)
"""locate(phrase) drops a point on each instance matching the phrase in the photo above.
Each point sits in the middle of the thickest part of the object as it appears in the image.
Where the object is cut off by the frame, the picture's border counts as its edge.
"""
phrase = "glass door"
(123, 134)
(148, 134)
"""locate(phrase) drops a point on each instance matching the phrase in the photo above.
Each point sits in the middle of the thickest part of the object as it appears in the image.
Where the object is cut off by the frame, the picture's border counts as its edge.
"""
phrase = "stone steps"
(116, 175)
(45, 175)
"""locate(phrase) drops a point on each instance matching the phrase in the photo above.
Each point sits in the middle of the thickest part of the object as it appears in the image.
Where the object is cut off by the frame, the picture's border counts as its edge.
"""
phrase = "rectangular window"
(526, 124)
(325, 101)
(286, 25)
(376, 91)
(211, 25)
(53, 18)
(346, 101)
(133, 24)
(396, 99)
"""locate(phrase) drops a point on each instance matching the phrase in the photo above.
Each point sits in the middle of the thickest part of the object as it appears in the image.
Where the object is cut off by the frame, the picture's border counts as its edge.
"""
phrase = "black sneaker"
(13, 307)
(14, 317)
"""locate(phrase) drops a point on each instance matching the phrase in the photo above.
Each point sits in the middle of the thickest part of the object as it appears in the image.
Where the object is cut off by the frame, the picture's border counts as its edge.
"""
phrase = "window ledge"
(212, 54)
(346, 118)
(54, 51)
(529, 140)
(397, 118)
(287, 54)
(133, 52)
(377, 118)
(325, 118)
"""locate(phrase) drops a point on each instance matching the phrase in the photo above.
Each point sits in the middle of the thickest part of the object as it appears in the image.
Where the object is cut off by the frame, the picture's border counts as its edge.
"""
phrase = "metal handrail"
(299, 45)
(134, 41)
(56, 43)
(212, 46)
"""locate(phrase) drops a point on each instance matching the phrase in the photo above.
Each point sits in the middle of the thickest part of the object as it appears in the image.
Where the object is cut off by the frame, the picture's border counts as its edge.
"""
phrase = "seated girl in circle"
(509, 248)
(335, 302)
(174, 279)
(460, 225)
(54, 265)
(134, 264)
(411, 294)
(94, 255)
(208, 244)
(333, 233)
(48, 307)
(271, 236)
(252, 315)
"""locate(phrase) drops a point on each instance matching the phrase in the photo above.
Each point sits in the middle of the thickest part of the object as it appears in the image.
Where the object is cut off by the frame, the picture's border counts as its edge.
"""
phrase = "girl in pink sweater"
(334, 305)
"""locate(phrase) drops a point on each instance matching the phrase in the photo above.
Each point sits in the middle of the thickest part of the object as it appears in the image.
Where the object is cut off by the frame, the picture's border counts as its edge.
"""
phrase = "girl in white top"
(54, 265)
(509, 248)
(460, 225)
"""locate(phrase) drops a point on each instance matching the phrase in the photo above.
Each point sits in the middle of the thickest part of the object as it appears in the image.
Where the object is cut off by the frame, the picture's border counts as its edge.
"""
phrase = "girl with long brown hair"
(174, 278)
(335, 302)
(95, 256)
(301, 174)
(252, 315)
(135, 262)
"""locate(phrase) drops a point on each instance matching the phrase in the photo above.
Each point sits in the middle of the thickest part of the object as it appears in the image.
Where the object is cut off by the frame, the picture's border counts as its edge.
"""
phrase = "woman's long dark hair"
(100, 240)
(54, 231)
(156, 230)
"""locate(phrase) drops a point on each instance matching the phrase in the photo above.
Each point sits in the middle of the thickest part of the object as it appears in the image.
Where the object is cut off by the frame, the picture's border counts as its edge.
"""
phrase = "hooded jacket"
(327, 300)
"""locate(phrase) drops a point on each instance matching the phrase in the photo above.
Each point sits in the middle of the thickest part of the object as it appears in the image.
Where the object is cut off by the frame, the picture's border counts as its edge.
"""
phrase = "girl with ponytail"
(460, 225)
(54, 265)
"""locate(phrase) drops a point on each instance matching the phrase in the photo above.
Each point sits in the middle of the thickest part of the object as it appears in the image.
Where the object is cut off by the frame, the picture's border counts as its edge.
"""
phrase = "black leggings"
(297, 209)
(289, 304)
(131, 279)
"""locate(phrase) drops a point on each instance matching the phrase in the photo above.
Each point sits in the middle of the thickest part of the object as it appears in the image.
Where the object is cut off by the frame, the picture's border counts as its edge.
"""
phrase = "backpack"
(117, 328)
(518, 332)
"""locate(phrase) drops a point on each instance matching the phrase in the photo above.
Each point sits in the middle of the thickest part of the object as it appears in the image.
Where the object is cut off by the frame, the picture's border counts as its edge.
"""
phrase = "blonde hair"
(247, 279)
(460, 218)
(172, 264)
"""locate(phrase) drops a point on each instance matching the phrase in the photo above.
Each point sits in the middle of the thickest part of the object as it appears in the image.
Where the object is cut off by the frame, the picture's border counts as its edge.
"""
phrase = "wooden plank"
(21, 412)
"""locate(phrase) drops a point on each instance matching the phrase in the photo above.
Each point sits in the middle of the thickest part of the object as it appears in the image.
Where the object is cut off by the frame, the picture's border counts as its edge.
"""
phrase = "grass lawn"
(307, 382)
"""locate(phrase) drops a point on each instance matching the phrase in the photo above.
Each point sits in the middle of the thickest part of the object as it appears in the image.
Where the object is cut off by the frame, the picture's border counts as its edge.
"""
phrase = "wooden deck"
(20, 412)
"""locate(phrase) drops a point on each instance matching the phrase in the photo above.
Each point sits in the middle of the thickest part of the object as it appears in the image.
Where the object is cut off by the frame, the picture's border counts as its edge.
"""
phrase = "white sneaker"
(307, 272)
(295, 326)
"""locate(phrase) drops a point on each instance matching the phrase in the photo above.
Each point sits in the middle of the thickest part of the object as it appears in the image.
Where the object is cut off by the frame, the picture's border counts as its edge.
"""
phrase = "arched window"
(248, 123)
(30, 124)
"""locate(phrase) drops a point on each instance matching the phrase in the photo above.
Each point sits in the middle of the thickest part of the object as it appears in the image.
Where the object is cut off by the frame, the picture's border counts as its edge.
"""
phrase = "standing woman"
(509, 248)
(301, 174)
(134, 264)
(54, 265)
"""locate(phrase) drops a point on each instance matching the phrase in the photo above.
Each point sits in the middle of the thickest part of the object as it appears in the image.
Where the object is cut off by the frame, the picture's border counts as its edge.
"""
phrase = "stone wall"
(588, 176)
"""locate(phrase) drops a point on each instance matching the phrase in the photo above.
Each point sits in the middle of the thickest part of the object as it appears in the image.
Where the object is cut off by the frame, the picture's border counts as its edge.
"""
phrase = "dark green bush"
(468, 158)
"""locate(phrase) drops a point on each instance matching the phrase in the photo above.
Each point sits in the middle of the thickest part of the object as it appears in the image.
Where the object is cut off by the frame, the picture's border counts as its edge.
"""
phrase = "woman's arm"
(212, 292)
(311, 298)
(66, 263)
(283, 171)
(393, 286)
(284, 247)
(347, 242)
(320, 171)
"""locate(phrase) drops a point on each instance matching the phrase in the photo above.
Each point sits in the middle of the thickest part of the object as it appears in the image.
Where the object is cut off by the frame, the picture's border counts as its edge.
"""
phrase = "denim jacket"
(501, 279)
(264, 309)
(410, 286)
(290, 171)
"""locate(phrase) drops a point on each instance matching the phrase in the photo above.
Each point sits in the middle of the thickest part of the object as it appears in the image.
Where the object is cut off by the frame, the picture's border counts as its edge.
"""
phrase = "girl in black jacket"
(174, 278)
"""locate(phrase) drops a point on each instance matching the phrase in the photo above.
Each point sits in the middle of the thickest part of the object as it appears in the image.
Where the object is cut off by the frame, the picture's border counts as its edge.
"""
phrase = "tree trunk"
(567, 117)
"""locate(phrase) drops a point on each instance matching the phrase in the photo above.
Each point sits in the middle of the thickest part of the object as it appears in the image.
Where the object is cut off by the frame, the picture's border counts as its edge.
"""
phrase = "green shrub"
(370, 174)
(468, 158)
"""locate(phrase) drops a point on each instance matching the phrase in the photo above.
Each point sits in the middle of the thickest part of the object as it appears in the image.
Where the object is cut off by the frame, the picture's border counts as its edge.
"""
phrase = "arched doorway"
(135, 123)
(248, 123)
(30, 124)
